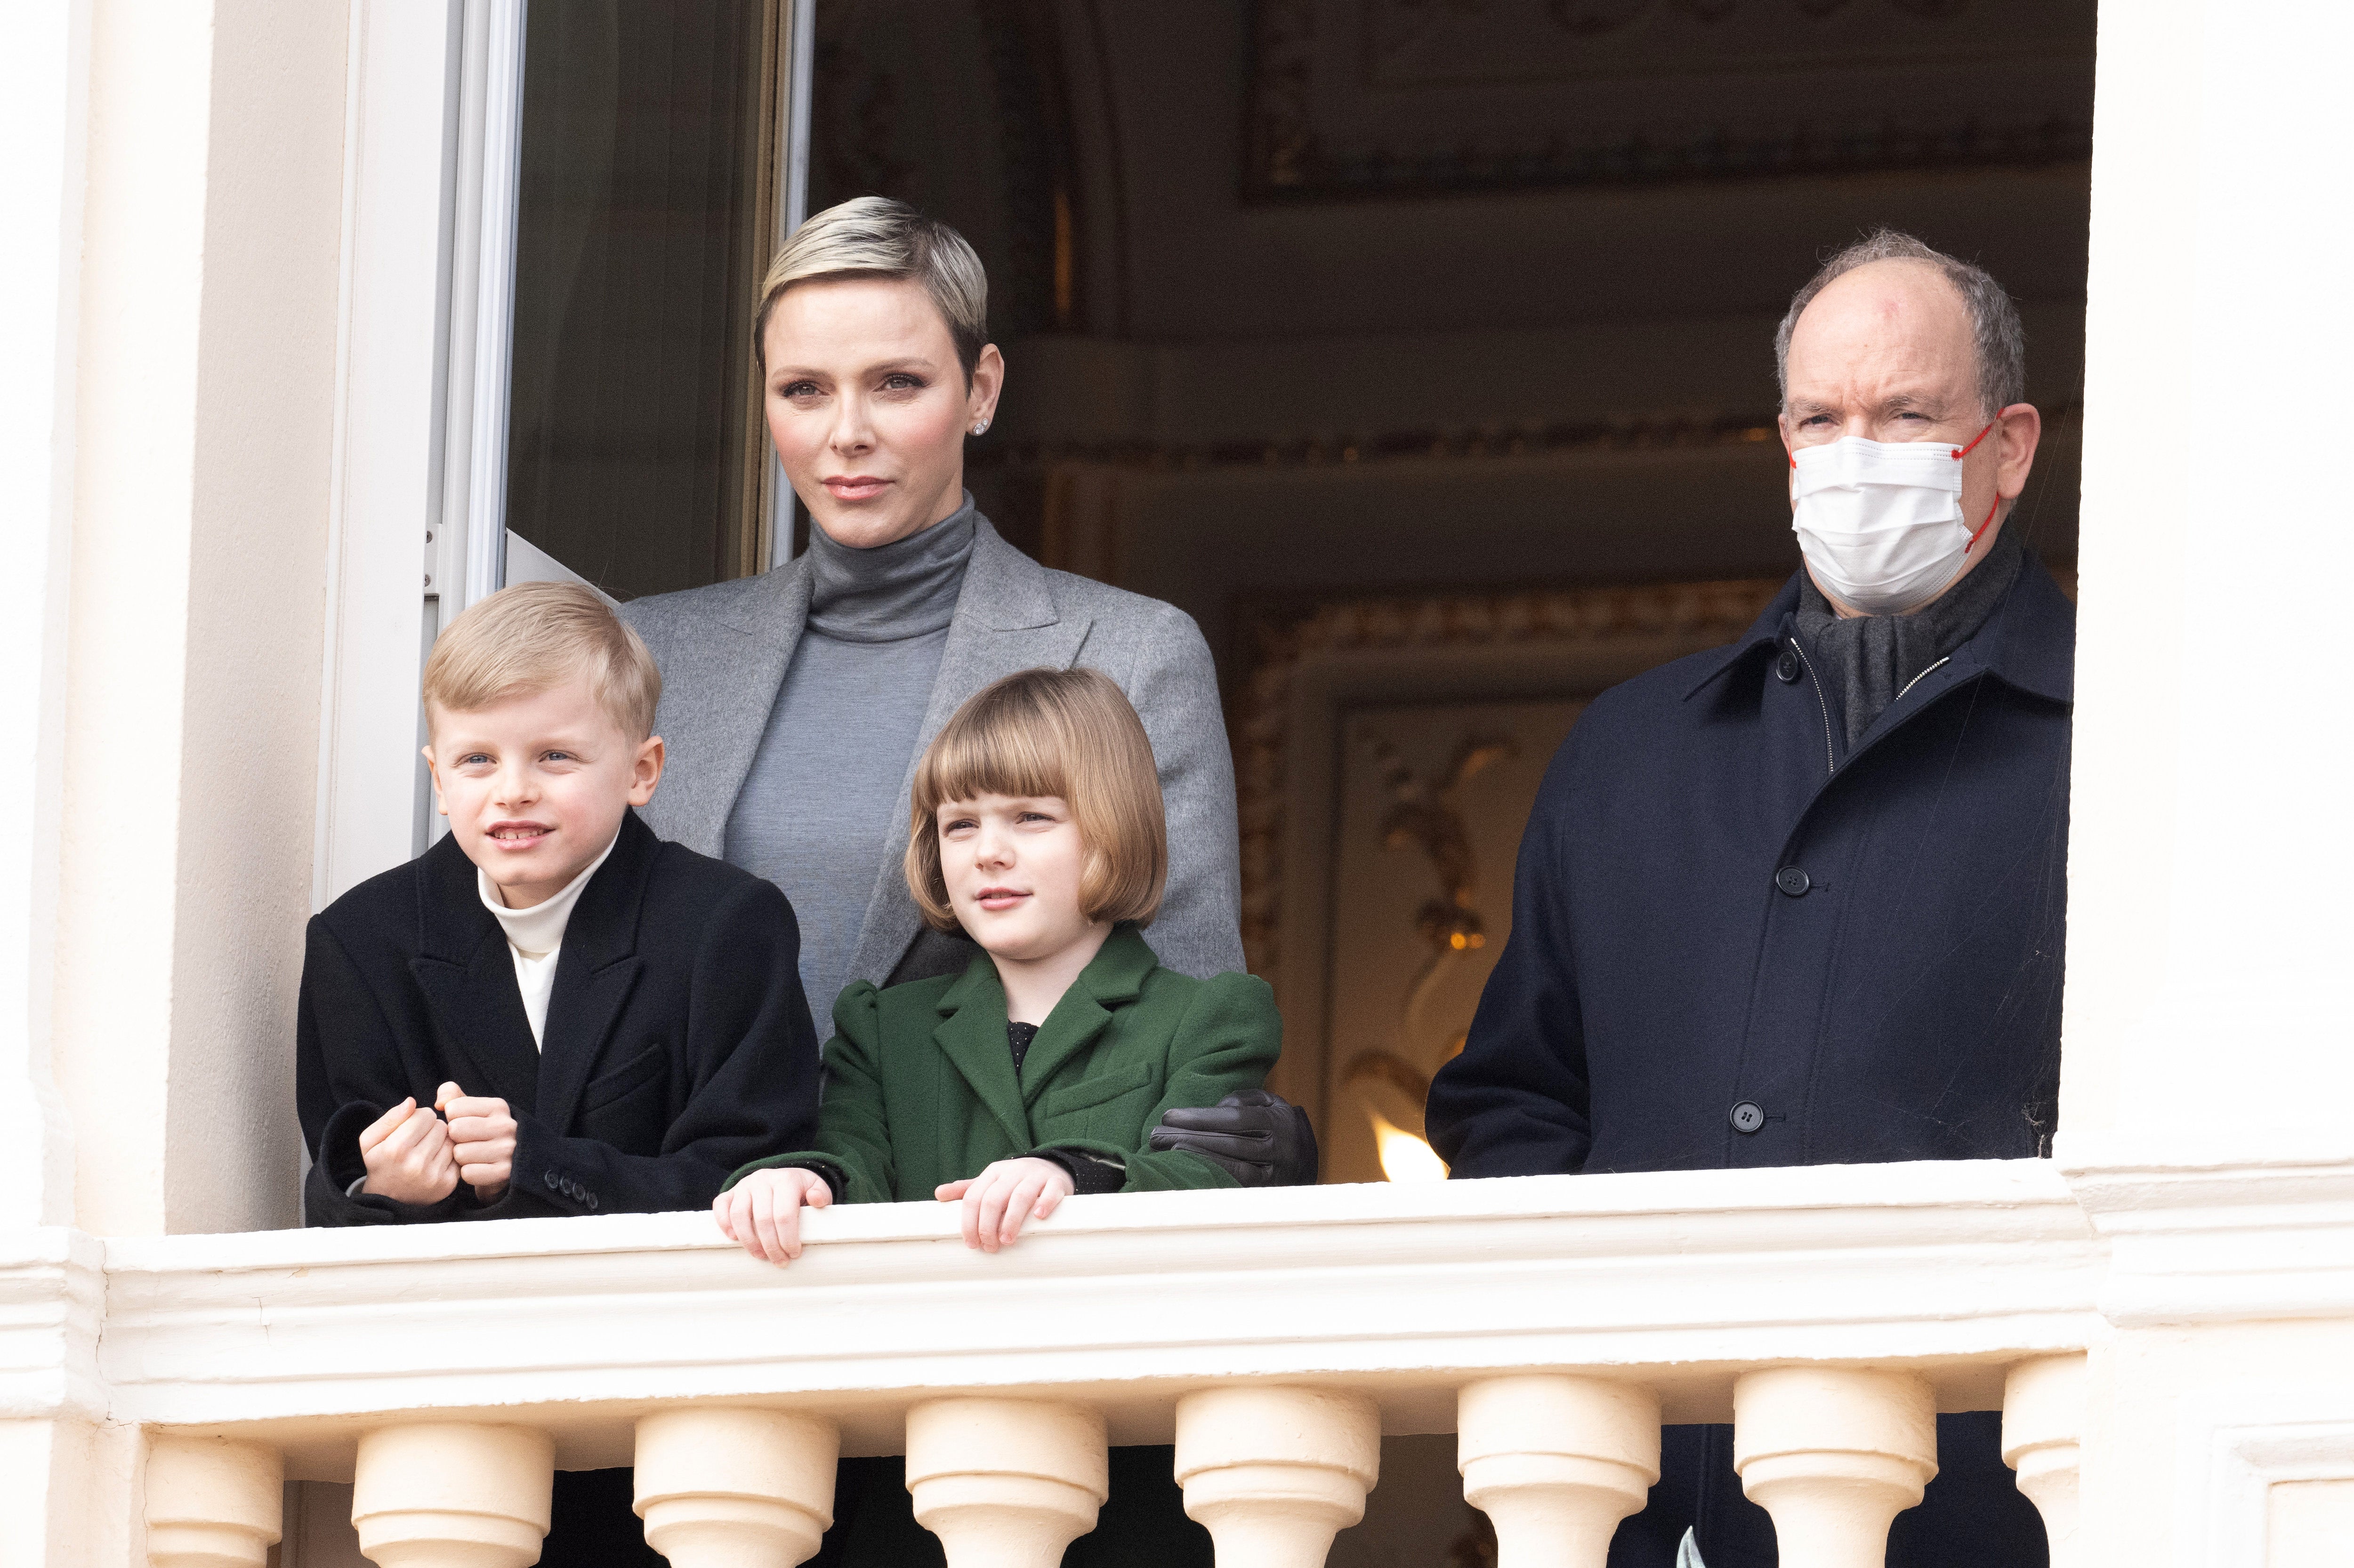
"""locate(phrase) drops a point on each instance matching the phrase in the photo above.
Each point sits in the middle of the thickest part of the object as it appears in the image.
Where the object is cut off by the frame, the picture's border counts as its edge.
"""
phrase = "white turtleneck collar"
(534, 936)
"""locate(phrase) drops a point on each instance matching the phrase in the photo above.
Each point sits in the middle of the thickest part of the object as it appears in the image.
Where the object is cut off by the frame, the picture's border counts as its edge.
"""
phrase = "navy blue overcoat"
(1737, 942)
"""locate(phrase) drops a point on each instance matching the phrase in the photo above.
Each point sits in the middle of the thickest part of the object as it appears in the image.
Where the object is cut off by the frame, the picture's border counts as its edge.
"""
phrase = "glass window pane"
(647, 216)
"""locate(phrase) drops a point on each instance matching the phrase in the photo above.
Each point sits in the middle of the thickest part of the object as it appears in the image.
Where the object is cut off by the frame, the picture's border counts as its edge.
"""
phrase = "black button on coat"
(1907, 1007)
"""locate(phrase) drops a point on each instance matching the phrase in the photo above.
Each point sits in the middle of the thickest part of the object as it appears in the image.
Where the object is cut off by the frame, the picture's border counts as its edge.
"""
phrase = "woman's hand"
(1001, 1198)
(763, 1212)
(408, 1155)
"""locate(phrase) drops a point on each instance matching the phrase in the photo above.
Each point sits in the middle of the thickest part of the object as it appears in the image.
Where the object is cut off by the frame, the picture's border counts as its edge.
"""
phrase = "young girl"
(1036, 827)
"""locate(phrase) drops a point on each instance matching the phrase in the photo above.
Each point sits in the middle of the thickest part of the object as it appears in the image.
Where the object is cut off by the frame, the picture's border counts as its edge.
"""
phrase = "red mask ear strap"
(1985, 525)
(1961, 453)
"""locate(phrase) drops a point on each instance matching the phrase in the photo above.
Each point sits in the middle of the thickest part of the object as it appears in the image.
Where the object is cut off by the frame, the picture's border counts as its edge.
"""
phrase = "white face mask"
(1880, 523)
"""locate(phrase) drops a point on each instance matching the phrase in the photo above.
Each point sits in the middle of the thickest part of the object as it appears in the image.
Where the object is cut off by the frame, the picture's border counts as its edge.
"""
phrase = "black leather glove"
(1257, 1139)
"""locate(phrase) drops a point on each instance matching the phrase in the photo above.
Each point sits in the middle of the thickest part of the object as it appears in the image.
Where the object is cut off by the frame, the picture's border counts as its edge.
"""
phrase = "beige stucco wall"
(206, 398)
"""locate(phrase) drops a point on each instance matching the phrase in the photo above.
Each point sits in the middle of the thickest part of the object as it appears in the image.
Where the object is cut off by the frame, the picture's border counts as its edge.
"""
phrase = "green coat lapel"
(1113, 978)
(971, 1033)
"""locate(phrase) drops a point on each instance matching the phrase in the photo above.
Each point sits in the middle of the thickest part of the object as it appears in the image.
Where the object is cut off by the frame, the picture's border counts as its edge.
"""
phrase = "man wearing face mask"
(1799, 900)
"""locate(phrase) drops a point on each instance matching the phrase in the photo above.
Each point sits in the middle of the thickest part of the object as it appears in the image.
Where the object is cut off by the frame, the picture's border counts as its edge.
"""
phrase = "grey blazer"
(723, 652)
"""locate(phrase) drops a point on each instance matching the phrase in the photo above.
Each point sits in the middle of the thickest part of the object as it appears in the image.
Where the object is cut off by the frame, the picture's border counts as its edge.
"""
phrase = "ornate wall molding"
(1387, 96)
(1263, 707)
(1476, 443)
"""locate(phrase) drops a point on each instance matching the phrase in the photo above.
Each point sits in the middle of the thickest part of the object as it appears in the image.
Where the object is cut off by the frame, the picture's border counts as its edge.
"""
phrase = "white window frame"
(432, 157)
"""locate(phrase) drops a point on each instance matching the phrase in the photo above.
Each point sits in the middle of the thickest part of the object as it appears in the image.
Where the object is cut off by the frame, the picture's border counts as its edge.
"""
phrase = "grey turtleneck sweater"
(1866, 660)
(817, 807)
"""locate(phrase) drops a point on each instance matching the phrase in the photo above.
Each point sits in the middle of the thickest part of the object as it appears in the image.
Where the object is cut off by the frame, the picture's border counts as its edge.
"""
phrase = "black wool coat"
(678, 1043)
(1736, 943)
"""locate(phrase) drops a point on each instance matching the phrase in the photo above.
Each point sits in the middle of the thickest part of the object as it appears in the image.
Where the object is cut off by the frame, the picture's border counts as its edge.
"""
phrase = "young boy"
(1044, 1068)
(551, 1012)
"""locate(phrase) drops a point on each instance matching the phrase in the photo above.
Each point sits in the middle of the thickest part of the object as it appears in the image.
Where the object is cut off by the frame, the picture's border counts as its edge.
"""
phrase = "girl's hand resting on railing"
(1001, 1197)
(763, 1212)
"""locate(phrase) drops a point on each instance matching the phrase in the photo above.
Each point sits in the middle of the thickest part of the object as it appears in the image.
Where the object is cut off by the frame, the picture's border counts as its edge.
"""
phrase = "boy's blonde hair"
(875, 236)
(535, 636)
(1069, 733)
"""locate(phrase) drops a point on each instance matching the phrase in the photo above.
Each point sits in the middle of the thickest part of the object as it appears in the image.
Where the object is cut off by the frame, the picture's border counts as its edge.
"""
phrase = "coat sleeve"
(852, 1150)
(753, 1067)
(1174, 686)
(1515, 1102)
(1227, 1041)
(347, 1073)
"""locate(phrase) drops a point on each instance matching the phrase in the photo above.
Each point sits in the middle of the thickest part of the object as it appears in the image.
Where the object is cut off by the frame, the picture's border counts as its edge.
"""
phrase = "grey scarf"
(1866, 660)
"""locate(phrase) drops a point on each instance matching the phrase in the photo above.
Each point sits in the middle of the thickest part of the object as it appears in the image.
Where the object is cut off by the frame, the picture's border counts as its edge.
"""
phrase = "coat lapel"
(468, 977)
(1006, 620)
(1113, 979)
(594, 971)
(971, 1035)
(721, 720)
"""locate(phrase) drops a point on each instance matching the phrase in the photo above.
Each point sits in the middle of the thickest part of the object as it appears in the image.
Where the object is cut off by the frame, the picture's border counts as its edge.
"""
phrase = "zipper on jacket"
(1917, 679)
(1830, 756)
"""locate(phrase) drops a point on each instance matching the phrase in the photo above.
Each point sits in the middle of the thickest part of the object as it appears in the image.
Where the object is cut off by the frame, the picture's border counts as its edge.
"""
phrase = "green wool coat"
(920, 1087)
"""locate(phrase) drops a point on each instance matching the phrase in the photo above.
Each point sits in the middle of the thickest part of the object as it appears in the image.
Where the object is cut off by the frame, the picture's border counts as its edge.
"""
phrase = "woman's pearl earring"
(981, 428)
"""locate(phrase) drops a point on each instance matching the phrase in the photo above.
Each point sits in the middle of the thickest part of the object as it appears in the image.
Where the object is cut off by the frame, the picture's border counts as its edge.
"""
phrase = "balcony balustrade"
(1553, 1323)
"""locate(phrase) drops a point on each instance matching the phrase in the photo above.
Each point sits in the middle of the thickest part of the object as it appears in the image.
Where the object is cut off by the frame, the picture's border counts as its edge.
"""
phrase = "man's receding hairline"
(1918, 263)
(1998, 338)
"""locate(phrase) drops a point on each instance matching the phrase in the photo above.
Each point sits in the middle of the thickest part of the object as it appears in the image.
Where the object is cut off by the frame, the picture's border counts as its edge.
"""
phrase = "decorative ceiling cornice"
(1379, 98)
(1458, 444)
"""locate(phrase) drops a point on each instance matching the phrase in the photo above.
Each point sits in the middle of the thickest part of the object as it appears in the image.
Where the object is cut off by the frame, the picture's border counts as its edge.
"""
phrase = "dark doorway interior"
(1422, 353)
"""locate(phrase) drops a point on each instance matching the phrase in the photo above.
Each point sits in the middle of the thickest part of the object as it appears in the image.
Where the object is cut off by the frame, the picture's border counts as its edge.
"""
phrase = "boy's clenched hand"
(764, 1211)
(481, 1139)
(1001, 1197)
(407, 1154)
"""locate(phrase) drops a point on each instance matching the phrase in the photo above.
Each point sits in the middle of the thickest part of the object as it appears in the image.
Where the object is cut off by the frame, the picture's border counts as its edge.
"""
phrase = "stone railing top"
(1680, 1278)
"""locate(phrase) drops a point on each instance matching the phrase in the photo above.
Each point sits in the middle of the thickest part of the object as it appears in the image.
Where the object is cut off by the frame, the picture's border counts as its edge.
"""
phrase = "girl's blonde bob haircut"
(1067, 733)
(534, 637)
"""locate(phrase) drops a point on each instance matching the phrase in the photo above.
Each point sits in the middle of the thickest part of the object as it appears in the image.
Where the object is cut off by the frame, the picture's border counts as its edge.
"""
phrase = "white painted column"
(2211, 846)
(735, 1488)
(1275, 1472)
(1556, 1463)
(2042, 1439)
(44, 123)
(1834, 1455)
(203, 387)
(212, 1503)
(453, 1495)
(1006, 1483)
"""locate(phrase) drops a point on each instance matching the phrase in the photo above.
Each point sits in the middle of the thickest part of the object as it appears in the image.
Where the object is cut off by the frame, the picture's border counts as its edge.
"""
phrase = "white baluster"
(1006, 1483)
(1274, 1471)
(2043, 1437)
(1834, 1455)
(212, 1503)
(453, 1495)
(1556, 1463)
(735, 1488)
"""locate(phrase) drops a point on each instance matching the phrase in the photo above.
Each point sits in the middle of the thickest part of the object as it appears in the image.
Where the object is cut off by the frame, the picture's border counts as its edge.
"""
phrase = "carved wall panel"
(1369, 97)
(1387, 750)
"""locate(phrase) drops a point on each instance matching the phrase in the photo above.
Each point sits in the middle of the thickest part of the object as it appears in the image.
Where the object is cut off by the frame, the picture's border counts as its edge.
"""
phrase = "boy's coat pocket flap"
(1095, 1090)
(638, 1071)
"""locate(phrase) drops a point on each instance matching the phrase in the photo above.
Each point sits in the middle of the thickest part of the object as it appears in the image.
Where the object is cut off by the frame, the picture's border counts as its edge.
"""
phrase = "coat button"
(1747, 1116)
(1785, 668)
(1793, 881)
(549, 1178)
